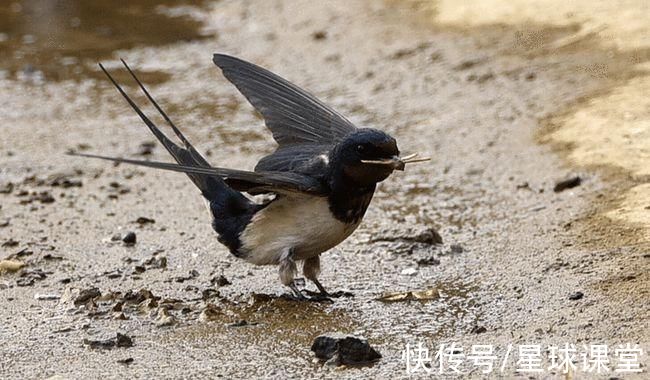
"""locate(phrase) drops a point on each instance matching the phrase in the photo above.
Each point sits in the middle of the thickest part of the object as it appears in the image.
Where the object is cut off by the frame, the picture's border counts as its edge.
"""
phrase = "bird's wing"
(241, 180)
(294, 158)
(293, 115)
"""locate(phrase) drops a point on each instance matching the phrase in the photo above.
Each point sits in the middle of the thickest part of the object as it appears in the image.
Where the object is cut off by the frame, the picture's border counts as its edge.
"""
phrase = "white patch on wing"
(325, 159)
(302, 223)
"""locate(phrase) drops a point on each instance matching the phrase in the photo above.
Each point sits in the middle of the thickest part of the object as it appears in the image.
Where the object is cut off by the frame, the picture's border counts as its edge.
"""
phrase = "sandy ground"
(475, 90)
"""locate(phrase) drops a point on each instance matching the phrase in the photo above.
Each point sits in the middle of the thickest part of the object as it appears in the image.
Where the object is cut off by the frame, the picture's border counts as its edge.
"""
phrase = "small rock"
(46, 297)
(129, 238)
(63, 180)
(241, 323)
(576, 296)
(456, 248)
(319, 35)
(139, 296)
(10, 243)
(409, 271)
(339, 349)
(87, 295)
(122, 340)
(43, 197)
(156, 262)
(126, 361)
(23, 252)
(210, 313)
(10, 265)
(164, 318)
(106, 344)
(51, 257)
(428, 236)
(478, 330)
(146, 148)
(429, 261)
(144, 220)
(192, 274)
(6, 188)
(567, 184)
(220, 280)
(29, 276)
(209, 293)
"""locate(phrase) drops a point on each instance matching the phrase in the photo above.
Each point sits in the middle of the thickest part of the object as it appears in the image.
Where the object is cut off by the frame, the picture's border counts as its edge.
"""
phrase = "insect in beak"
(397, 162)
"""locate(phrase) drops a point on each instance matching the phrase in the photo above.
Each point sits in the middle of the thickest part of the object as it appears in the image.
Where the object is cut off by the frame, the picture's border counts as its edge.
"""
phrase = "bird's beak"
(397, 162)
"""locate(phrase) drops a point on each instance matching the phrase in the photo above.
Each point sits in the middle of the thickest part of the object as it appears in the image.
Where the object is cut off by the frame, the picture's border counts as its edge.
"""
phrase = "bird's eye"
(360, 148)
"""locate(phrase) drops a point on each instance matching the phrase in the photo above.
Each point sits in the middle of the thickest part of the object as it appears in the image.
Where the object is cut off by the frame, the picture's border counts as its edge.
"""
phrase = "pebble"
(576, 296)
(129, 238)
(341, 349)
(568, 183)
(46, 297)
(409, 271)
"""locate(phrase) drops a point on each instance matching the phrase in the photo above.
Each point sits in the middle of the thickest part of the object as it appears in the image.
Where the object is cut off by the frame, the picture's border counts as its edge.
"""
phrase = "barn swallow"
(322, 175)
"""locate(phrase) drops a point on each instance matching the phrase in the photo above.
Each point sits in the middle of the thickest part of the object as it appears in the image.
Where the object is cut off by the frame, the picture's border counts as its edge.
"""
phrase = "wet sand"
(477, 97)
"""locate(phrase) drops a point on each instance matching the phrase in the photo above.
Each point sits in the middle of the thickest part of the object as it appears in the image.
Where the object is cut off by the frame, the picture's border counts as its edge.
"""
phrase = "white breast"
(302, 223)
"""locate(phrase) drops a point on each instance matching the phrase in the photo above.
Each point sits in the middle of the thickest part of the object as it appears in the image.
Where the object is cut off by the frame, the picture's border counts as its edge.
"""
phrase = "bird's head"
(366, 156)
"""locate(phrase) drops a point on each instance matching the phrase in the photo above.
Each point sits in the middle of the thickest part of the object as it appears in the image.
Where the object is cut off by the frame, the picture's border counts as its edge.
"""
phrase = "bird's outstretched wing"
(293, 115)
(207, 178)
(240, 180)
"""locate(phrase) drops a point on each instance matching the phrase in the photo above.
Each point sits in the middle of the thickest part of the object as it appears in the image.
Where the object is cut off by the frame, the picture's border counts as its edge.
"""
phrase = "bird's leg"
(311, 270)
(297, 294)
(287, 269)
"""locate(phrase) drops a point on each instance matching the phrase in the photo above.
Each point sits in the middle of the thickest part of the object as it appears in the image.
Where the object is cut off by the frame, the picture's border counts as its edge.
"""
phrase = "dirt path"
(515, 253)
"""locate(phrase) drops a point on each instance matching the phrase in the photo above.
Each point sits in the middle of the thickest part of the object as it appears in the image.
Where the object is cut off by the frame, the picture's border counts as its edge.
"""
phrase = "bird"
(319, 181)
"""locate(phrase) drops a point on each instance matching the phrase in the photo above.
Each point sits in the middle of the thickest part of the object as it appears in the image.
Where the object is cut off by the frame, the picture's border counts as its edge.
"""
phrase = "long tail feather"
(188, 156)
(196, 155)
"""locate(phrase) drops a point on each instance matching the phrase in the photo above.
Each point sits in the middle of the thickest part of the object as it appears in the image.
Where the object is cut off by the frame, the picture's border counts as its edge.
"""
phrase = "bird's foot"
(313, 296)
(337, 294)
(324, 293)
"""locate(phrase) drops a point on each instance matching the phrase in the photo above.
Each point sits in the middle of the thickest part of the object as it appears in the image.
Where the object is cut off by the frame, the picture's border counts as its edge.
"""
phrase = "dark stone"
(6, 188)
(429, 261)
(192, 274)
(122, 340)
(456, 248)
(242, 323)
(129, 238)
(319, 35)
(10, 243)
(125, 361)
(146, 148)
(139, 296)
(144, 220)
(106, 344)
(220, 280)
(576, 296)
(428, 236)
(340, 349)
(478, 330)
(87, 295)
(567, 184)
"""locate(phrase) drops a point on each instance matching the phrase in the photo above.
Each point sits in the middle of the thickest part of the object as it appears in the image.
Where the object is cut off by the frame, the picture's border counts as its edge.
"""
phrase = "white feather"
(301, 223)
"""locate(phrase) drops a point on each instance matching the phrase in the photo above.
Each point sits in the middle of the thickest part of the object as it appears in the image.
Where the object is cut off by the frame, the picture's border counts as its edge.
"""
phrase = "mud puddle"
(64, 39)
